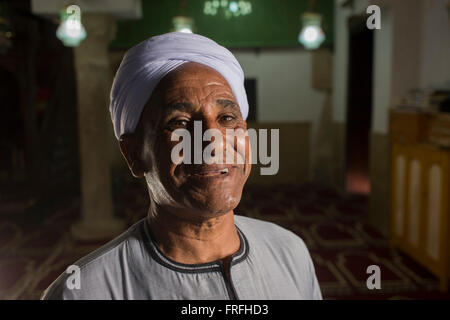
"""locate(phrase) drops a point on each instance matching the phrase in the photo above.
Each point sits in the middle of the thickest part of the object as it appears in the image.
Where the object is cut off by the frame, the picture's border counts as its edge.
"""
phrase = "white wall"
(340, 63)
(407, 19)
(382, 75)
(435, 60)
(411, 51)
(284, 86)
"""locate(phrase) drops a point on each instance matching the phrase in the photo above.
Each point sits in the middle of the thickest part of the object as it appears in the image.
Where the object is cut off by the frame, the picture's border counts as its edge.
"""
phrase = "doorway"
(359, 107)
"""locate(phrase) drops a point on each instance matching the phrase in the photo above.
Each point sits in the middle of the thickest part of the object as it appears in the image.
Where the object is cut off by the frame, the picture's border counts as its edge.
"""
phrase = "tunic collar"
(213, 266)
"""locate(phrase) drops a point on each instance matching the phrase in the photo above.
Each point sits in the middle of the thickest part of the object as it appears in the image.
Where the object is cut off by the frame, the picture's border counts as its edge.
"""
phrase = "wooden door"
(435, 224)
(398, 194)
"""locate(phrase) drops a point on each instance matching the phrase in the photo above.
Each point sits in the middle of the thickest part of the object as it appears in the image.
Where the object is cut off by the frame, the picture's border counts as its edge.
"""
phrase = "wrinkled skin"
(191, 210)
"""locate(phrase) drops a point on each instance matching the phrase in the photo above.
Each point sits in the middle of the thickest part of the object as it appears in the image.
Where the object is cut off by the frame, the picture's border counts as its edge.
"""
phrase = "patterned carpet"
(35, 245)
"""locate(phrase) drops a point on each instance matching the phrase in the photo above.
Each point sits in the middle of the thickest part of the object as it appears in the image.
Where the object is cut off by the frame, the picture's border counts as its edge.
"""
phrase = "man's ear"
(131, 147)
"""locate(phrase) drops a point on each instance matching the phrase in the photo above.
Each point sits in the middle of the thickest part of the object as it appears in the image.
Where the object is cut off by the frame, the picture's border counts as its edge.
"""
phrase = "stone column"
(93, 86)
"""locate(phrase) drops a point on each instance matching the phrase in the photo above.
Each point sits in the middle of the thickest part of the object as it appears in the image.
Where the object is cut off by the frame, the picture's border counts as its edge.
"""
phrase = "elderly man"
(191, 245)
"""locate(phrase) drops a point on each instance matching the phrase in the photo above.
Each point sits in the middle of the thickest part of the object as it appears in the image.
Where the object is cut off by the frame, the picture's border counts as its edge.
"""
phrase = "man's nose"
(210, 124)
(205, 132)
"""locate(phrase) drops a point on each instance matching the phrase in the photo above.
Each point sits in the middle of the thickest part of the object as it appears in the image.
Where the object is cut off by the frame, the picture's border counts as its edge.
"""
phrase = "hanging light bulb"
(70, 31)
(311, 35)
(229, 9)
(183, 24)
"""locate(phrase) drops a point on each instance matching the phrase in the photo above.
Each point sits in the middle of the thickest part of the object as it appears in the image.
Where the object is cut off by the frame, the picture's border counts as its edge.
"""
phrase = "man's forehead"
(193, 75)
(180, 85)
(196, 91)
(193, 81)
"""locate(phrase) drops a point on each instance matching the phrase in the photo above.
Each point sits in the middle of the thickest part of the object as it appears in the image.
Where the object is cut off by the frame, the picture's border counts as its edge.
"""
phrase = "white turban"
(144, 65)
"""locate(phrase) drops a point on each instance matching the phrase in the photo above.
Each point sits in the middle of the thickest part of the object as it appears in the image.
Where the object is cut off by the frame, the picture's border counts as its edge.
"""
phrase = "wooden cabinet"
(420, 206)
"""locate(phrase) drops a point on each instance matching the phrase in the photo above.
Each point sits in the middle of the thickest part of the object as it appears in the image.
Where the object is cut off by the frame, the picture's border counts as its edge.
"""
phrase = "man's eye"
(178, 123)
(227, 118)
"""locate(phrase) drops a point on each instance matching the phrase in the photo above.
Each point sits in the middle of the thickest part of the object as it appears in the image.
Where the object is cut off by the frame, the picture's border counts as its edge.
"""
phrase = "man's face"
(193, 92)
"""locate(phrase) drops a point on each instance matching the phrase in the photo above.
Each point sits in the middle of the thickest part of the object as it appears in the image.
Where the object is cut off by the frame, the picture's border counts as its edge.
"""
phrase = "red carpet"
(34, 251)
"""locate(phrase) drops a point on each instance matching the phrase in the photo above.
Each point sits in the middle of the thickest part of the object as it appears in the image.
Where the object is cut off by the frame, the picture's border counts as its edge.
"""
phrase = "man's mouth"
(211, 171)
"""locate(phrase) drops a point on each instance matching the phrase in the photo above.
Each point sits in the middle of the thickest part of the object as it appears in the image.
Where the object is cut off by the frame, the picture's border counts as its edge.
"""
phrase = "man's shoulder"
(268, 232)
(113, 247)
(283, 249)
(98, 264)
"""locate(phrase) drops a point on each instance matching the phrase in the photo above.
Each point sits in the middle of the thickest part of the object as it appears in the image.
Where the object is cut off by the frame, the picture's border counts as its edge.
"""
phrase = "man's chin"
(214, 204)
